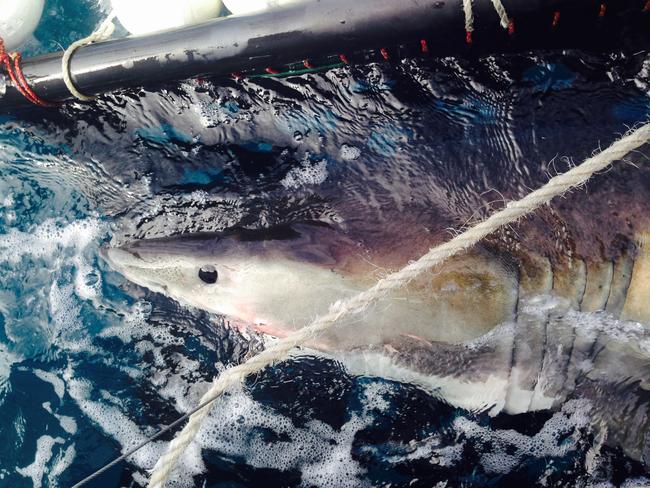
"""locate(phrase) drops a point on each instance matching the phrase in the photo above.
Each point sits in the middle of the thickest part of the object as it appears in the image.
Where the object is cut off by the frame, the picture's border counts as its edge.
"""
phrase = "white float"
(240, 7)
(18, 20)
(145, 16)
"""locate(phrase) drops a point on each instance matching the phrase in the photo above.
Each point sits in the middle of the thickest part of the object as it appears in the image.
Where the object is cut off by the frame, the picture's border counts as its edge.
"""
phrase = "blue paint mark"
(25, 141)
(259, 147)
(325, 122)
(633, 109)
(200, 177)
(554, 76)
(386, 139)
(231, 106)
(165, 134)
(474, 110)
(363, 86)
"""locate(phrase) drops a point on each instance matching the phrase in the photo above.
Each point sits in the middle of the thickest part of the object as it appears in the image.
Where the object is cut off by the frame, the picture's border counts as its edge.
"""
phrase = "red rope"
(425, 47)
(647, 6)
(344, 59)
(384, 53)
(468, 37)
(308, 64)
(511, 27)
(603, 9)
(11, 62)
(556, 19)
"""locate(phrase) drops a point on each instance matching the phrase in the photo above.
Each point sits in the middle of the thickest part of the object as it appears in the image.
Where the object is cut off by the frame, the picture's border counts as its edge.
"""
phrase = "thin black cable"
(144, 443)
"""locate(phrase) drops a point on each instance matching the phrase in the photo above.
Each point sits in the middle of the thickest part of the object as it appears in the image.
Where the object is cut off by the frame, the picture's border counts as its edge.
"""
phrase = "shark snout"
(121, 257)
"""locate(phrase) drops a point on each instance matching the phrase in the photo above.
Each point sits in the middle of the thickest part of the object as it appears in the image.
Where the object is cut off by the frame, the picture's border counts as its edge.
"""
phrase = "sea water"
(91, 365)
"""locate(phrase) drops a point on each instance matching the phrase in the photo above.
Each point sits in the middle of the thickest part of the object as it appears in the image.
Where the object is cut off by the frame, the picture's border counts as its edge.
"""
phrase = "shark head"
(279, 280)
(248, 275)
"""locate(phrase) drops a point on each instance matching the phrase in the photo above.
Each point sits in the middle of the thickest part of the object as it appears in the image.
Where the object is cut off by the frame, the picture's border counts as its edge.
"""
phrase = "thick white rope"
(512, 212)
(103, 32)
(469, 14)
(501, 12)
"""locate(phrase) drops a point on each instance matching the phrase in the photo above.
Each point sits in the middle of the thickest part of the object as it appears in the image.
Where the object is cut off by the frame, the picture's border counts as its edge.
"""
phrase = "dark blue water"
(91, 364)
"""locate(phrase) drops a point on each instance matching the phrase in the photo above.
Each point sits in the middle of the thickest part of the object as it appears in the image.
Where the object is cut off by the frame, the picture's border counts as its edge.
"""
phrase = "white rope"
(104, 31)
(469, 15)
(501, 12)
(512, 212)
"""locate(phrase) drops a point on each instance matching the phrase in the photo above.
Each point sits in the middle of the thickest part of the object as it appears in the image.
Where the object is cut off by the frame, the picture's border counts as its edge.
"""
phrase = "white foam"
(66, 330)
(321, 453)
(47, 238)
(61, 463)
(87, 280)
(641, 482)
(134, 327)
(7, 359)
(7, 201)
(51, 378)
(307, 173)
(113, 422)
(430, 449)
(349, 153)
(69, 424)
(508, 447)
(374, 395)
(36, 470)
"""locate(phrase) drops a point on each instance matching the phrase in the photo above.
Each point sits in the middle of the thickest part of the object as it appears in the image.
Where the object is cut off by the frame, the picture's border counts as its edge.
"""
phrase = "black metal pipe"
(315, 28)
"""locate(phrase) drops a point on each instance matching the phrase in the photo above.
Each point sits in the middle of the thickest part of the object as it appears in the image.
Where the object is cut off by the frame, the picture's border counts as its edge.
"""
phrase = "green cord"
(298, 71)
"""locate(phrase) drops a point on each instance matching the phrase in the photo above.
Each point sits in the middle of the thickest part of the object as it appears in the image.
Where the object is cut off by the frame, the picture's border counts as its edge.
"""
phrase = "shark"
(554, 308)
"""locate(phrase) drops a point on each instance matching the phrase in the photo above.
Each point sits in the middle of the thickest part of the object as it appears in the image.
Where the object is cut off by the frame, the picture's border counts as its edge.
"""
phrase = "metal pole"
(314, 28)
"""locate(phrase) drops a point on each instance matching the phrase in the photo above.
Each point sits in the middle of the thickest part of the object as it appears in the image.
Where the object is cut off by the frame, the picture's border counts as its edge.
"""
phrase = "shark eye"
(208, 274)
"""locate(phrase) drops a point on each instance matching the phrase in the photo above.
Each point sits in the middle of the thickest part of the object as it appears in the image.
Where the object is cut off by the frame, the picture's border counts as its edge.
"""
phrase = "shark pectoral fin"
(473, 376)
(637, 301)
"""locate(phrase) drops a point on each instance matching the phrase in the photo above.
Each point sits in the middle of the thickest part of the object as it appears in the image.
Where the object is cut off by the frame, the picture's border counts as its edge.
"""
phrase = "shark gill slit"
(631, 294)
(620, 287)
(588, 287)
(621, 277)
(514, 351)
(637, 298)
(537, 279)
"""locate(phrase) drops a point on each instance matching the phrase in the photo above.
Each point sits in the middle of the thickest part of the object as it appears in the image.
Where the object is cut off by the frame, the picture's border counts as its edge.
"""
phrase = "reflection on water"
(90, 364)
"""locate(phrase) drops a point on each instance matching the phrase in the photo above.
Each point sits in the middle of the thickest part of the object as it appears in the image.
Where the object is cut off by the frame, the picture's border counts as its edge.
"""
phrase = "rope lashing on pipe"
(505, 21)
(511, 213)
(103, 32)
(501, 12)
(13, 68)
(469, 20)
